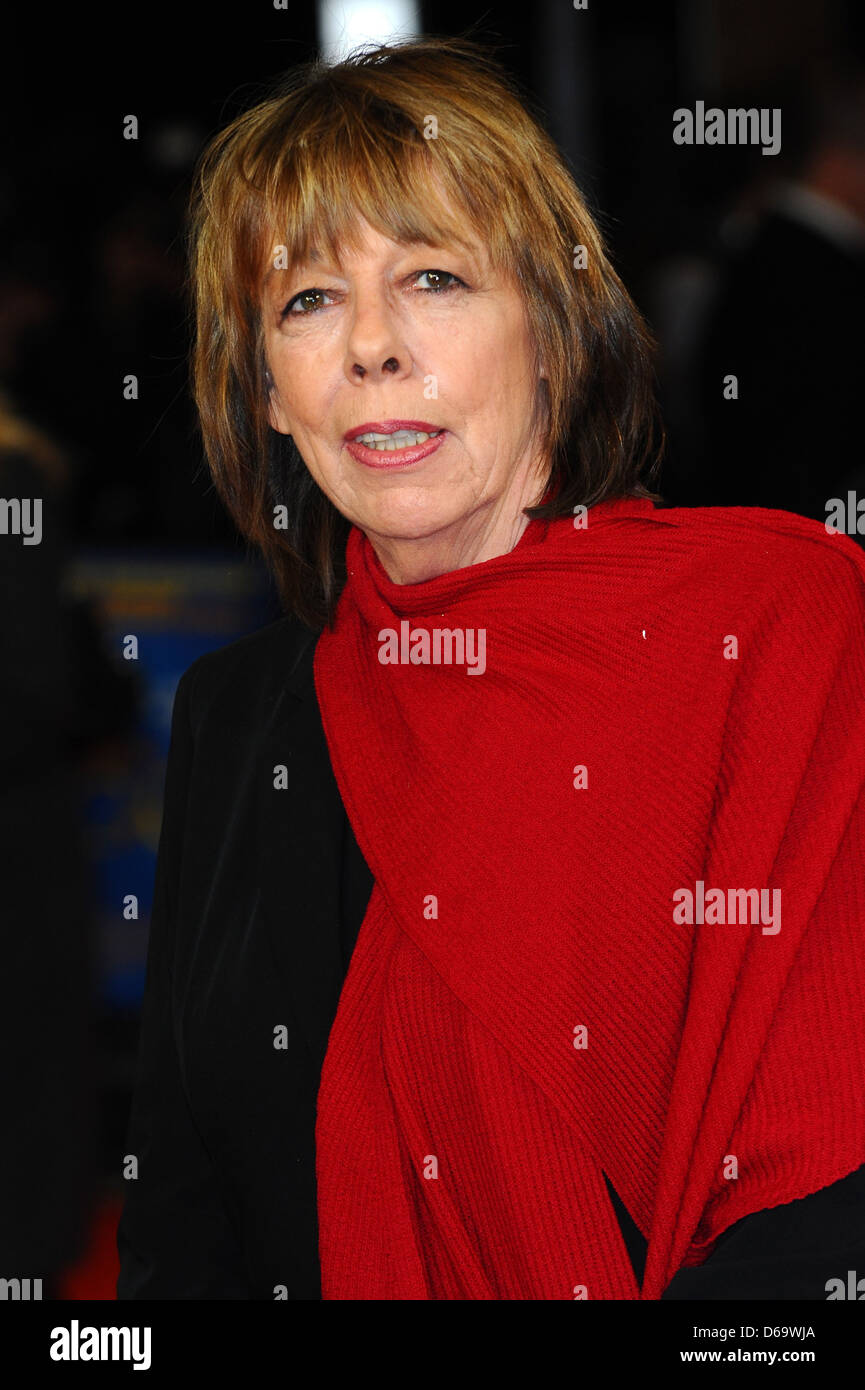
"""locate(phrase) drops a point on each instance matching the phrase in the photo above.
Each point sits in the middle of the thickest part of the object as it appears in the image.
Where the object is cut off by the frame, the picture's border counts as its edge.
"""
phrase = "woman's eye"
(304, 301)
(309, 301)
(438, 278)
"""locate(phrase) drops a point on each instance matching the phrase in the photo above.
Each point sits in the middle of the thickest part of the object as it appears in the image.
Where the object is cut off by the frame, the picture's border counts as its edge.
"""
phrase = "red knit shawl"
(526, 1009)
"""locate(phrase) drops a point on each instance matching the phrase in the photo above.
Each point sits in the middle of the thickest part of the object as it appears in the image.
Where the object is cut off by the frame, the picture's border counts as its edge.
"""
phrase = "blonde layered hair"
(376, 137)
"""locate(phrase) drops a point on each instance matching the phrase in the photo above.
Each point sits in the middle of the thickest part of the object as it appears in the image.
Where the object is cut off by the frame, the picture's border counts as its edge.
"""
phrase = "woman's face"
(410, 336)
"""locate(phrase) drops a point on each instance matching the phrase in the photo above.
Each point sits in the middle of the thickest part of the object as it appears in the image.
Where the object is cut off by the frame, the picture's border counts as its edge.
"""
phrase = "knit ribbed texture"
(461, 1136)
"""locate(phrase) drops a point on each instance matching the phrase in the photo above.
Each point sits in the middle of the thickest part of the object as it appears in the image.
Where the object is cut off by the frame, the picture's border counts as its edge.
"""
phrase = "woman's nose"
(375, 344)
(390, 365)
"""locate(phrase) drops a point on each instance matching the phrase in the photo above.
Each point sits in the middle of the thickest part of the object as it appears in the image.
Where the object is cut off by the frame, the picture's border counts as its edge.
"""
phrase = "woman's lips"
(394, 458)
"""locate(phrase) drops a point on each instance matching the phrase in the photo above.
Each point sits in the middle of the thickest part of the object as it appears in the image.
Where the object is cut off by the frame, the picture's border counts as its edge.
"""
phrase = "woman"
(534, 969)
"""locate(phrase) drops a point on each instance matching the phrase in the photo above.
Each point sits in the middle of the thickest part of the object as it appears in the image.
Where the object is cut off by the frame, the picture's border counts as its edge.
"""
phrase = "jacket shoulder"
(245, 678)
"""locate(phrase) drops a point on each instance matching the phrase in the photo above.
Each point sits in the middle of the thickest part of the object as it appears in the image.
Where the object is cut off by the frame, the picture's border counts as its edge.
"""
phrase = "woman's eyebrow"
(308, 259)
(314, 259)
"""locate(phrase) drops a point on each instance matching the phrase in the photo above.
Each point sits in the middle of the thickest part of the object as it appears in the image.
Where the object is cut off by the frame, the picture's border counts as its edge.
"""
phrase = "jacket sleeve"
(174, 1237)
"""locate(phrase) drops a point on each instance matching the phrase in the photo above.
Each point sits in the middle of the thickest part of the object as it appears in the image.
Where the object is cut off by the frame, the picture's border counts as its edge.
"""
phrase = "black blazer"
(259, 896)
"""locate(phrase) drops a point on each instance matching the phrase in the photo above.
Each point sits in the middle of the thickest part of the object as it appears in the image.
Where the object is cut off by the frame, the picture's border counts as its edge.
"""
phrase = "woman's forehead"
(326, 218)
(363, 243)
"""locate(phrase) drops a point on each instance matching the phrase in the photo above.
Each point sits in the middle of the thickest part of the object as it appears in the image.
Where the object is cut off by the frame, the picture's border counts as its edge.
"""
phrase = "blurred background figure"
(780, 308)
(60, 697)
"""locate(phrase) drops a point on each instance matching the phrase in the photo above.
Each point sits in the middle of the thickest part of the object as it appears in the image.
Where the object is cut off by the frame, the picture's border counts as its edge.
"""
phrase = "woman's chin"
(409, 517)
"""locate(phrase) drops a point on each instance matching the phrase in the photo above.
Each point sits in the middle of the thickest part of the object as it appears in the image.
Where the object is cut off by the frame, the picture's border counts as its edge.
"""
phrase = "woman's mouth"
(397, 448)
